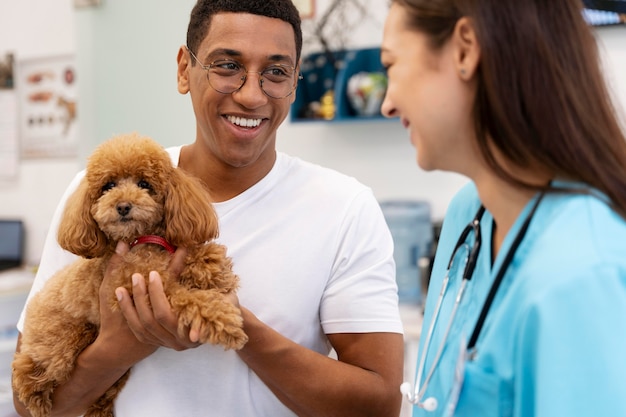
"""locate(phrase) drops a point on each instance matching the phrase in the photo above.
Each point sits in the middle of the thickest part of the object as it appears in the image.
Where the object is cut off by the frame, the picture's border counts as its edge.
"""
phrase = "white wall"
(32, 29)
(126, 72)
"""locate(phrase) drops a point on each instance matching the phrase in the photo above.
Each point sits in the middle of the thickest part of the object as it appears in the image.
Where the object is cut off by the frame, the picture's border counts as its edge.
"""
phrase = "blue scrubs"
(554, 342)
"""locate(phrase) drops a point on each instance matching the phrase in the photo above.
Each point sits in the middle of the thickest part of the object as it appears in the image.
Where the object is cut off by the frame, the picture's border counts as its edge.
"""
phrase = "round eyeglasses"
(227, 76)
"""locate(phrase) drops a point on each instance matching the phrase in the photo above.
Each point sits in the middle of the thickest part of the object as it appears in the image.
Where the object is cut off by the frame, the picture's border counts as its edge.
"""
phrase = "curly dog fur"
(130, 189)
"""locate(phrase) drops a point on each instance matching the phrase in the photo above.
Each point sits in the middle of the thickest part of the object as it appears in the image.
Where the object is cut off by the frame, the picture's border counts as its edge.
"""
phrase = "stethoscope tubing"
(420, 369)
(422, 390)
(474, 225)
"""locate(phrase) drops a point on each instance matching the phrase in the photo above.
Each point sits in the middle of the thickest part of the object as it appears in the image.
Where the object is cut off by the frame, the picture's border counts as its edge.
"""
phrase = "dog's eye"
(144, 184)
(106, 187)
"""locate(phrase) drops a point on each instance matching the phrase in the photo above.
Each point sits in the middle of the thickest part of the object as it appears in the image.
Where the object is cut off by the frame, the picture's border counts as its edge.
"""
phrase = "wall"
(32, 29)
(126, 54)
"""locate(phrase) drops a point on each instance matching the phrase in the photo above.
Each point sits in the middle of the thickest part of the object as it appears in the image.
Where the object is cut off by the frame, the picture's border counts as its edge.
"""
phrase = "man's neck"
(223, 181)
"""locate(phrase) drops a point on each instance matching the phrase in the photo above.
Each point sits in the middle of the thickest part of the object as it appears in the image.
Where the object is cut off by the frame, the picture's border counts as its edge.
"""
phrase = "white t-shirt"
(314, 256)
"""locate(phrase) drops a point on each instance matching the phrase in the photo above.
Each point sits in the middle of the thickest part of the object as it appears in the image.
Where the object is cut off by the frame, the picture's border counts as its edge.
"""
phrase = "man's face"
(239, 128)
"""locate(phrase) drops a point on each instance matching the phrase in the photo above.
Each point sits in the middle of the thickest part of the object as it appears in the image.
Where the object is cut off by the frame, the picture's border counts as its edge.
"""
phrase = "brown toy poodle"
(131, 192)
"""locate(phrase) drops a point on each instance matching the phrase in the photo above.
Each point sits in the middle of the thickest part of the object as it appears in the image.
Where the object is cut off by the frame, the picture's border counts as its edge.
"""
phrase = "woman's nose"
(387, 108)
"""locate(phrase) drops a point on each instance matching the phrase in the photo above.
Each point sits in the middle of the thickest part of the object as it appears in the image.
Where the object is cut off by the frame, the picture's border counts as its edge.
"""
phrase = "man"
(310, 246)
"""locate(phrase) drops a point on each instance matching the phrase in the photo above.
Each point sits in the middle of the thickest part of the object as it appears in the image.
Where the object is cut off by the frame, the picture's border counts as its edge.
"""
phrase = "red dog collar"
(157, 240)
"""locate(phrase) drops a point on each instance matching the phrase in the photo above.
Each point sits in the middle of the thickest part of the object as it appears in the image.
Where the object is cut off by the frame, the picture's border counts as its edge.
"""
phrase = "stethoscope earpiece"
(429, 404)
(405, 389)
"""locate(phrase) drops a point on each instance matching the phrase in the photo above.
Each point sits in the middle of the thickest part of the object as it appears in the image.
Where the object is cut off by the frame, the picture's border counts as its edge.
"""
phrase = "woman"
(510, 94)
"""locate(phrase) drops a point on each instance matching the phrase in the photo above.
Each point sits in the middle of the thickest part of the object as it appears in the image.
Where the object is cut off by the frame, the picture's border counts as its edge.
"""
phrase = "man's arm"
(364, 381)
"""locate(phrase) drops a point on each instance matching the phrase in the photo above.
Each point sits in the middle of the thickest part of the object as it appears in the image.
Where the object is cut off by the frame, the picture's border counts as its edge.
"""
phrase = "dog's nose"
(123, 208)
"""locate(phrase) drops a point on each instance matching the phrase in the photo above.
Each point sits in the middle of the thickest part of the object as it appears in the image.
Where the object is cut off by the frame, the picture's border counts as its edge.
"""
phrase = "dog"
(131, 192)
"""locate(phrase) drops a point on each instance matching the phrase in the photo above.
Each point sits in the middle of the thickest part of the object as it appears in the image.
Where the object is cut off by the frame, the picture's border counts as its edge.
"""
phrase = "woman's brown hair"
(542, 100)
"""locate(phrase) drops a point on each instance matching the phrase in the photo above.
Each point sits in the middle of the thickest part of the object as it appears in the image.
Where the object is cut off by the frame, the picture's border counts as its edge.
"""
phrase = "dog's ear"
(189, 215)
(78, 231)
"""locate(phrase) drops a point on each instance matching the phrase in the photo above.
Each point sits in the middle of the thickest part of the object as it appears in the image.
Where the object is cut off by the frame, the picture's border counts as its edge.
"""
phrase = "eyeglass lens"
(227, 76)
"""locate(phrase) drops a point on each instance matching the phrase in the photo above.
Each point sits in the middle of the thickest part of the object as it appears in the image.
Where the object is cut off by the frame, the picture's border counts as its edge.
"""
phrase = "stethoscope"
(417, 396)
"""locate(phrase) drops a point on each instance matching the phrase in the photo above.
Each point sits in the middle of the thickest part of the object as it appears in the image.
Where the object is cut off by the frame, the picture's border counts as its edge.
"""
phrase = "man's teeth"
(240, 121)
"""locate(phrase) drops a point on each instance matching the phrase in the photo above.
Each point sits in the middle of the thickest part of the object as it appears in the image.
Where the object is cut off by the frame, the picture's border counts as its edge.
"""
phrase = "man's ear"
(292, 98)
(184, 63)
(467, 49)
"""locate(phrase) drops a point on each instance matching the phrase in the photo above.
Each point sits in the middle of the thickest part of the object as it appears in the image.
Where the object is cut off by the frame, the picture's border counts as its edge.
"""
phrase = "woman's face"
(428, 95)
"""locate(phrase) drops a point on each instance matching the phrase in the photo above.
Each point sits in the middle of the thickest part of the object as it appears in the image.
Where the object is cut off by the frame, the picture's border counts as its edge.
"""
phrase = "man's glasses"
(227, 76)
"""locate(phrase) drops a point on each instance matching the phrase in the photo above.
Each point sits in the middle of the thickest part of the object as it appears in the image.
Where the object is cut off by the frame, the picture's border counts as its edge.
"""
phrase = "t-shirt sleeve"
(362, 295)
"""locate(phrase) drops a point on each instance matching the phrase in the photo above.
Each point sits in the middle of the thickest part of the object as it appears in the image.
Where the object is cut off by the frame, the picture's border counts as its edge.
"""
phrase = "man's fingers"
(121, 249)
(160, 305)
(177, 264)
(136, 310)
(165, 316)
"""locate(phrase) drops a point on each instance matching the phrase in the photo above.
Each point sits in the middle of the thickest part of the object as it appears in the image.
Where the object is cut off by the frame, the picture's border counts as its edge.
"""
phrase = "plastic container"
(412, 231)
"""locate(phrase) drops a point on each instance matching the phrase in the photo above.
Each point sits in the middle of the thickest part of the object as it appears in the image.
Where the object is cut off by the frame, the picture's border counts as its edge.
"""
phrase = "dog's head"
(132, 189)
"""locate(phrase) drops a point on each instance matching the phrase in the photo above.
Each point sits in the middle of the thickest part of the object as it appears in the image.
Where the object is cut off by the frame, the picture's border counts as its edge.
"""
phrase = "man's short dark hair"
(204, 10)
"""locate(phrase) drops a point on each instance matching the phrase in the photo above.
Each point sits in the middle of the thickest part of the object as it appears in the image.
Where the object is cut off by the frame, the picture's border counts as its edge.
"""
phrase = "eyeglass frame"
(244, 78)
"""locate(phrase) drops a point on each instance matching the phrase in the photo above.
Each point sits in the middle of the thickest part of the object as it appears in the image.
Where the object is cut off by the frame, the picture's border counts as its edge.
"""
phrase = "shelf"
(345, 119)
(321, 75)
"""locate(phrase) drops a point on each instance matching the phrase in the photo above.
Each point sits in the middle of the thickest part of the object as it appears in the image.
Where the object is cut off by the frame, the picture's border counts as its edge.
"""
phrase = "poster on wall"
(8, 120)
(47, 100)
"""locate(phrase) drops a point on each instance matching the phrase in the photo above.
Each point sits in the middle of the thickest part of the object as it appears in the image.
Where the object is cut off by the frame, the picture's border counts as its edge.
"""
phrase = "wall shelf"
(324, 72)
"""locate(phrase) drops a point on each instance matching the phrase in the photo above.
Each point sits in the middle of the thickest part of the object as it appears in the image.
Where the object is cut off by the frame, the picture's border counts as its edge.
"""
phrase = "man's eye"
(225, 67)
(278, 73)
(144, 184)
(109, 185)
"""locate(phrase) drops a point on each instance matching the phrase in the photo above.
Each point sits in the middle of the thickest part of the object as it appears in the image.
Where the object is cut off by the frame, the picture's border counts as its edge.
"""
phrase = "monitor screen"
(605, 12)
(11, 243)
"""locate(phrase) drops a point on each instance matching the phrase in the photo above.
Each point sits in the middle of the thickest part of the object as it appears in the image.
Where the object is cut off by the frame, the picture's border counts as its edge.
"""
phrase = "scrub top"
(554, 341)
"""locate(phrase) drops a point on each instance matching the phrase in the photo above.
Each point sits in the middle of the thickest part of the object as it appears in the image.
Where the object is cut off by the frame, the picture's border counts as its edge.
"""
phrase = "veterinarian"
(526, 309)
(310, 246)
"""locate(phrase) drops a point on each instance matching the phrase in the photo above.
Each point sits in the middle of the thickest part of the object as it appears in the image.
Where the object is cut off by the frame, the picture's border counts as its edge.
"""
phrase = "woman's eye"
(109, 185)
(144, 184)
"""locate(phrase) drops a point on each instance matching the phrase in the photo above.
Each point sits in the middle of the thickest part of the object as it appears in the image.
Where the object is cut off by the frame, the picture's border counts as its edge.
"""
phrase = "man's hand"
(115, 335)
(148, 313)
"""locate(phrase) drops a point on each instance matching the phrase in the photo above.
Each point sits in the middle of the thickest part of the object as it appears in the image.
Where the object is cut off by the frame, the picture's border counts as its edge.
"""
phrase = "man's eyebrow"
(233, 53)
(280, 58)
(225, 51)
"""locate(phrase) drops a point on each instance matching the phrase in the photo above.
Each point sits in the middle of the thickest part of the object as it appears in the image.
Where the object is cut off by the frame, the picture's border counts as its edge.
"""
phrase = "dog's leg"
(32, 390)
(45, 363)
(219, 321)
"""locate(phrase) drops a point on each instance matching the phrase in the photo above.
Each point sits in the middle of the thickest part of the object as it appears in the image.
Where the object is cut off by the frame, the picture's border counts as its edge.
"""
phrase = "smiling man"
(310, 245)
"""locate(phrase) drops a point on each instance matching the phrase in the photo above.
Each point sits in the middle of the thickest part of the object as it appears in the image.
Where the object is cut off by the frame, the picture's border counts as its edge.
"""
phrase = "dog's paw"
(230, 335)
(217, 321)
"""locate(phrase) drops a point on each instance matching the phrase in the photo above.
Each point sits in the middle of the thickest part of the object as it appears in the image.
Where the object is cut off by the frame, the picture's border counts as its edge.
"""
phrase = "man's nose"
(251, 94)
